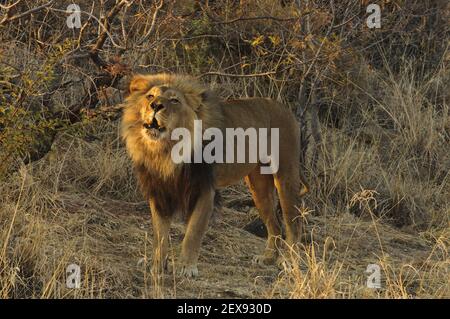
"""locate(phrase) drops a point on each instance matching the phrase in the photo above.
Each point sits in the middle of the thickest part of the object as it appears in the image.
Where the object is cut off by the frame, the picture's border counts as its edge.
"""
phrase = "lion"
(158, 104)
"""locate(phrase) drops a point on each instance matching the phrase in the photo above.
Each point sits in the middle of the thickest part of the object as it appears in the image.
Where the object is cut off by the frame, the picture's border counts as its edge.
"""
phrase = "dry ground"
(79, 205)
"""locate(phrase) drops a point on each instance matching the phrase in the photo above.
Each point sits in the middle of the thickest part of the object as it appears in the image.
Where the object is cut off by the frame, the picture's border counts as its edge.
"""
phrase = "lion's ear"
(138, 83)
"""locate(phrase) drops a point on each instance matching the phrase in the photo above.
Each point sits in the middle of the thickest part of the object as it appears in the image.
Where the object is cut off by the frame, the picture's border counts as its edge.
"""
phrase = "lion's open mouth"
(154, 130)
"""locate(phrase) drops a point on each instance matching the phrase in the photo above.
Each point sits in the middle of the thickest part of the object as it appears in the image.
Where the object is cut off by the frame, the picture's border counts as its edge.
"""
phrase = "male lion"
(160, 103)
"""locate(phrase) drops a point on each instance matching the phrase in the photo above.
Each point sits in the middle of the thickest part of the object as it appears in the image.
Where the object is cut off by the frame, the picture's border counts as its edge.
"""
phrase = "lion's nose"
(156, 106)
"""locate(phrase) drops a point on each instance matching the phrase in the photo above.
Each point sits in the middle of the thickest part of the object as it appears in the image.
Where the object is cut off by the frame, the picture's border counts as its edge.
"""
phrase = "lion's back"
(256, 112)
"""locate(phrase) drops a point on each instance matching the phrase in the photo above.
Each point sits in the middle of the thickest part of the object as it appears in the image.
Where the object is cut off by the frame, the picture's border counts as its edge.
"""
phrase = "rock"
(257, 228)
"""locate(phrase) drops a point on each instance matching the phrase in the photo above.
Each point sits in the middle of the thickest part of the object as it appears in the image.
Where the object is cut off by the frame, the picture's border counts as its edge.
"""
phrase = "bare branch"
(101, 24)
(237, 75)
(9, 18)
(257, 18)
(10, 6)
(107, 24)
(152, 26)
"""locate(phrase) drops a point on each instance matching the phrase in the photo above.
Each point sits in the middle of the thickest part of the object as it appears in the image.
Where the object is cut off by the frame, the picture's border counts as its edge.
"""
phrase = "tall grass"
(380, 195)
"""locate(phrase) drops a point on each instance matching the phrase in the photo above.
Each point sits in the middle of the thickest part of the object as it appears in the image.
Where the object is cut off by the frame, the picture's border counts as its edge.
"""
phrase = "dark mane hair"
(178, 192)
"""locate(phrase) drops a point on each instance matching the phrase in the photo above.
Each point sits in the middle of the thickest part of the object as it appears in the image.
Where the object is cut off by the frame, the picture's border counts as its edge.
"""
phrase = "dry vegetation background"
(372, 104)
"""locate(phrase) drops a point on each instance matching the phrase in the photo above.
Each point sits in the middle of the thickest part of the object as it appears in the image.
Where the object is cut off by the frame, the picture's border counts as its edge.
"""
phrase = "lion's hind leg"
(263, 193)
(288, 188)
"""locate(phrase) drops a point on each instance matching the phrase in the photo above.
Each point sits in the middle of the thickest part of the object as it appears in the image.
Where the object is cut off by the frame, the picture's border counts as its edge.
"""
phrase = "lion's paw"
(263, 260)
(159, 268)
(189, 271)
(287, 264)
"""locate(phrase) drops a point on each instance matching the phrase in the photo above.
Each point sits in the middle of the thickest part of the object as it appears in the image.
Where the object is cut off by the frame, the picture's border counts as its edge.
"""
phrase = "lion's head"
(157, 105)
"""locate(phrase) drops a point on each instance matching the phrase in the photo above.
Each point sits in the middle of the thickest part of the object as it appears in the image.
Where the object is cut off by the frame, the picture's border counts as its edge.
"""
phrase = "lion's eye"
(150, 96)
(174, 100)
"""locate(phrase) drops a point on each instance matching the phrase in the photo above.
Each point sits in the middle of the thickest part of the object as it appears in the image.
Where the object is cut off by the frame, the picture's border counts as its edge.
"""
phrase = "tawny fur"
(156, 156)
(190, 188)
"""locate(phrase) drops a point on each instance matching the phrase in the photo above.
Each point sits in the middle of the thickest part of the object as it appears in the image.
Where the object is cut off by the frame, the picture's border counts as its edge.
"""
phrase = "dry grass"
(380, 196)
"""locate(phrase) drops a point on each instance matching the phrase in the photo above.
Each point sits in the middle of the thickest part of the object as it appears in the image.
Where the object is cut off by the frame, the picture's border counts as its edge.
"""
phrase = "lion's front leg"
(196, 228)
(161, 228)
